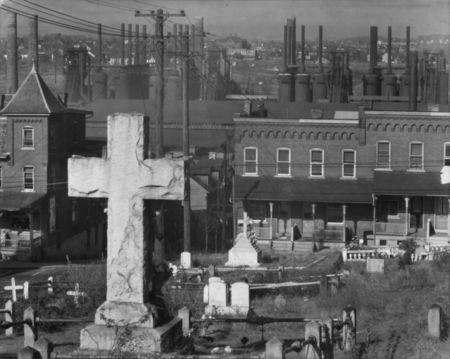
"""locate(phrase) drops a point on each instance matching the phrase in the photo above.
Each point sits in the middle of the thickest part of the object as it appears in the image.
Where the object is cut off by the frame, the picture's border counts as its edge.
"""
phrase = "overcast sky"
(263, 18)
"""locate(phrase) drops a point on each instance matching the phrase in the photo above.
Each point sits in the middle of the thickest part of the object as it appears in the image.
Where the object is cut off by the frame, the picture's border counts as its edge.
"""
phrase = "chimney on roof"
(248, 108)
(12, 80)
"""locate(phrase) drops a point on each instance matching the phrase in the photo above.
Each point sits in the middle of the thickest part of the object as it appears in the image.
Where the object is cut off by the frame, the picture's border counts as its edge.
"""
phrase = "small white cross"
(14, 288)
(76, 293)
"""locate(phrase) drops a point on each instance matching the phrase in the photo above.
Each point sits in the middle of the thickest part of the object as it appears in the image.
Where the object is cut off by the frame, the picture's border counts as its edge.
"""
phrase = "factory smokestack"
(320, 54)
(33, 40)
(414, 81)
(130, 44)
(144, 45)
(373, 48)
(389, 49)
(12, 81)
(122, 44)
(303, 50)
(137, 46)
(100, 44)
(408, 47)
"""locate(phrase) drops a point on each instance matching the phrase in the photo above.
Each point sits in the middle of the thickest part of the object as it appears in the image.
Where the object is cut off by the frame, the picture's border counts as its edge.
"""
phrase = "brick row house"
(370, 174)
(37, 135)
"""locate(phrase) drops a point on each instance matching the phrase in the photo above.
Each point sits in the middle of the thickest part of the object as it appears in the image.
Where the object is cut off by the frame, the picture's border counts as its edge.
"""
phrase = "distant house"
(371, 174)
(37, 135)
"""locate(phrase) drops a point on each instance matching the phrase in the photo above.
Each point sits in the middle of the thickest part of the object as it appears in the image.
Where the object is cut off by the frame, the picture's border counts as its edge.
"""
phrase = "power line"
(63, 14)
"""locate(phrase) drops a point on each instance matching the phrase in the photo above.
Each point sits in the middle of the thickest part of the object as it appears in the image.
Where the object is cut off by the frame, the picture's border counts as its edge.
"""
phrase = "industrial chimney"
(33, 47)
(372, 79)
(12, 76)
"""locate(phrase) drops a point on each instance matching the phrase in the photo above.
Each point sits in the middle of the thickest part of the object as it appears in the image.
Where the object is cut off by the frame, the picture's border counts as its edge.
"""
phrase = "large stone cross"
(127, 178)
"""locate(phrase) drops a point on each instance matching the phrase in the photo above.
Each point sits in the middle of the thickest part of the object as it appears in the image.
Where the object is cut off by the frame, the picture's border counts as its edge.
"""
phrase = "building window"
(447, 154)
(384, 155)
(316, 163)
(348, 163)
(28, 137)
(416, 156)
(283, 162)
(251, 161)
(28, 178)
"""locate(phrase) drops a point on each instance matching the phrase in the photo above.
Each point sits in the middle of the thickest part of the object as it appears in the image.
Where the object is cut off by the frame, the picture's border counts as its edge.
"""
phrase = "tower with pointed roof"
(37, 135)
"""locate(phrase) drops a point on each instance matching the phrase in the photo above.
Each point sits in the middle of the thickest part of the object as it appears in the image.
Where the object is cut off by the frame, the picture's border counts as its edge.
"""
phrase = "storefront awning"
(410, 184)
(15, 201)
(304, 190)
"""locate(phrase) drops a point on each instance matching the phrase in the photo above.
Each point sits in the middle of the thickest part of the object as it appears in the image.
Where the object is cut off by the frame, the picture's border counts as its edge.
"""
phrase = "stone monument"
(127, 178)
(244, 252)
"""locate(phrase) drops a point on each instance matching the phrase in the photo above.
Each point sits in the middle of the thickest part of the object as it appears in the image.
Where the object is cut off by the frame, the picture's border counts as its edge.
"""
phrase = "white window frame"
(388, 168)
(255, 161)
(283, 162)
(421, 169)
(311, 163)
(445, 157)
(23, 175)
(25, 146)
(343, 163)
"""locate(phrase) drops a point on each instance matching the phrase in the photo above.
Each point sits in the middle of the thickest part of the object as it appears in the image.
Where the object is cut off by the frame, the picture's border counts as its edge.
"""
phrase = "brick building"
(38, 134)
(373, 174)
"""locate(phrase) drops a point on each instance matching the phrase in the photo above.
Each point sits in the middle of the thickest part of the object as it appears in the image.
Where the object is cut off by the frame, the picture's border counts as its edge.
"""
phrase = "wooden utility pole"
(160, 17)
(187, 187)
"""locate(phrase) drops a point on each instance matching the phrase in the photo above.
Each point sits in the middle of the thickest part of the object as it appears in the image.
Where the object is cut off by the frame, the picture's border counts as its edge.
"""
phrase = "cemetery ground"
(391, 307)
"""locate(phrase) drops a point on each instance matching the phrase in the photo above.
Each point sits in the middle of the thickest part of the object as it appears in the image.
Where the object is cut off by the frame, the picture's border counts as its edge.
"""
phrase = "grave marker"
(185, 260)
(218, 293)
(434, 321)
(76, 294)
(14, 288)
(240, 297)
(244, 252)
(375, 265)
(127, 178)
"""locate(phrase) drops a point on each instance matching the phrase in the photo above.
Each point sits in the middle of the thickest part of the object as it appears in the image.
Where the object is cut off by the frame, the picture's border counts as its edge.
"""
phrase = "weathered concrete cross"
(126, 177)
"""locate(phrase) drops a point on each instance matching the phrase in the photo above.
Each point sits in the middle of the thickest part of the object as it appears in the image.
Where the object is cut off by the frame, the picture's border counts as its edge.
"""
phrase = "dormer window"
(28, 137)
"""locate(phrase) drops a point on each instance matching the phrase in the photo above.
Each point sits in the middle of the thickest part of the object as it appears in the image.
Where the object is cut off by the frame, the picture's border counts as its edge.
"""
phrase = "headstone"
(243, 253)
(127, 178)
(280, 302)
(206, 294)
(375, 265)
(28, 353)
(274, 349)
(44, 347)
(184, 315)
(9, 315)
(434, 321)
(29, 329)
(240, 297)
(185, 260)
(218, 294)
